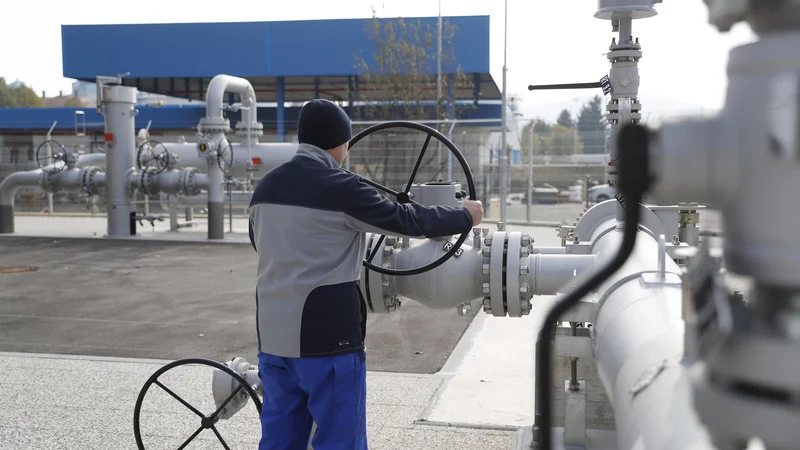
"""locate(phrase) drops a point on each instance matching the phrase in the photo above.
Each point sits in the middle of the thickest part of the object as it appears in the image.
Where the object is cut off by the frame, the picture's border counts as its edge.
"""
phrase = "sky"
(548, 41)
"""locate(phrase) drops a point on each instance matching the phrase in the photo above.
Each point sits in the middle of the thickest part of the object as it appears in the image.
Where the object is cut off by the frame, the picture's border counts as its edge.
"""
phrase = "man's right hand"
(475, 209)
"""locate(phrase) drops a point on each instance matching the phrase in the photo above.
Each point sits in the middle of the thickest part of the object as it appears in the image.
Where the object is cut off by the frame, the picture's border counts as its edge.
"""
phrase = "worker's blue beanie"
(324, 124)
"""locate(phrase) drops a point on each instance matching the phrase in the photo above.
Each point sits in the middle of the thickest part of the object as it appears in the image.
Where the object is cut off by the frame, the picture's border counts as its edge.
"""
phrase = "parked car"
(542, 196)
(601, 193)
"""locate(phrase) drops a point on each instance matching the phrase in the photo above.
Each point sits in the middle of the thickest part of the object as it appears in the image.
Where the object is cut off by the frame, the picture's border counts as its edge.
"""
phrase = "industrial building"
(172, 64)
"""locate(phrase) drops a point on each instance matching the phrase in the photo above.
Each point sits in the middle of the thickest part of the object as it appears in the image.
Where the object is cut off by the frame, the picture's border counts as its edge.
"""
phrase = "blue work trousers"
(328, 390)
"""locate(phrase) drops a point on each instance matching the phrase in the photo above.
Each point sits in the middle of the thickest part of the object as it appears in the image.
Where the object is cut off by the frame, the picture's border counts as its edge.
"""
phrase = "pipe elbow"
(221, 84)
(12, 183)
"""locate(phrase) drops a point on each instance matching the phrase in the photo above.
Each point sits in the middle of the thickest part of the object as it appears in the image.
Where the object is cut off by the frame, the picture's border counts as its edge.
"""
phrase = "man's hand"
(475, 209)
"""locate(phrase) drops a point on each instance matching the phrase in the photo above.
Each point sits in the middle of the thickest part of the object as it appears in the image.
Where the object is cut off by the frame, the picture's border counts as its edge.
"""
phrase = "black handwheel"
(149, 155)
(225, 155)
(404, 196)
(59, 154)
(206, 421)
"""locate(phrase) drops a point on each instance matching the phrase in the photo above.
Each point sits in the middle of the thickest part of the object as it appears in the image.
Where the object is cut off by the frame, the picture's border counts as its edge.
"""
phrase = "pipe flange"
(388, 288)
(47, 181)
(146, 179)
(189, 181)
(496, 277)
(486, 269)
(89, 180)
(214, 124)
(255, 129)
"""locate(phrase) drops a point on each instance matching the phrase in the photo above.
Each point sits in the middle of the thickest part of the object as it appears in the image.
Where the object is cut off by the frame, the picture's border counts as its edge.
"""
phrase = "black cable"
(633, 182)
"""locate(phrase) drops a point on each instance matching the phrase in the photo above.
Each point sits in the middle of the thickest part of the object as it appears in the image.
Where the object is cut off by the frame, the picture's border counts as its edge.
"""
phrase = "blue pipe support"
(280, 126)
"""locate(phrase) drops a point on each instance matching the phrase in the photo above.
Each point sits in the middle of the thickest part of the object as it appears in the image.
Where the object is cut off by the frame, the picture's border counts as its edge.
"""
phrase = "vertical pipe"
(119, 114)
(216, 199)
(530, 178)
(281, 92)
(50, 161)
(504, 169)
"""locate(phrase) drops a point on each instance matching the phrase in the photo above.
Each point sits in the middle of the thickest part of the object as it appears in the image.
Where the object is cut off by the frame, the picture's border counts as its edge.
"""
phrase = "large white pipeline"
(638, 345)
(436, 288)
(270, 155)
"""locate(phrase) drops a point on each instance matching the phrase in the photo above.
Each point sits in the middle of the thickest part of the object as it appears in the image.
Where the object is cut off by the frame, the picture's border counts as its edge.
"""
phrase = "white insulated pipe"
(551, 272)
(459, 279)
(215, 96)
(271, 155)
(119, 113)
(638, 346)
(213, 126)
(8, 189)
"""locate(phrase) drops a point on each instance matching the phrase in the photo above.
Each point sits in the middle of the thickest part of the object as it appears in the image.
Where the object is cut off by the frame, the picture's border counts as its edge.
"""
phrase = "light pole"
(530, 177)
(504, 159)
(575, 101)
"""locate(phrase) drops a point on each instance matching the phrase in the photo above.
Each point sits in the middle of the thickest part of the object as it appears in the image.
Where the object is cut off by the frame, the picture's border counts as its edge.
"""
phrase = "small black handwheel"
(206, 421)
(404, 196)
(59, 154)
(152, 154)
(225, 155)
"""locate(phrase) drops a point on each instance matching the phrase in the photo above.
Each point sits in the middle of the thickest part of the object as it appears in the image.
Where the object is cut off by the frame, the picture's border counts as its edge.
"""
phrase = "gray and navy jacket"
(308, 220)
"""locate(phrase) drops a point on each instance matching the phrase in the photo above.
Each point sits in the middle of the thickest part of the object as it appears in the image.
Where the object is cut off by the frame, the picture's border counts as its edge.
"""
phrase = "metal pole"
(439, 83)
(439, 60)
(530, 178)
(450, 154)
(504, 158)
(50, 161)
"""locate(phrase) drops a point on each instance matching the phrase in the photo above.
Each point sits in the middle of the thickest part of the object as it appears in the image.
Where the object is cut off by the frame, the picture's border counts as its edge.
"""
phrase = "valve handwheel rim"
(161, 159)
(60, 156)
(228, 147)
(404, 197)
(206, 421)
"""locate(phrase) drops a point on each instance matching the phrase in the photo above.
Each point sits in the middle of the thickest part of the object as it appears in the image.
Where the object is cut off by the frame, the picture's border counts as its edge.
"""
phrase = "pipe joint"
(214, 125)
(190, 181)
(93, 180)
(249, 130)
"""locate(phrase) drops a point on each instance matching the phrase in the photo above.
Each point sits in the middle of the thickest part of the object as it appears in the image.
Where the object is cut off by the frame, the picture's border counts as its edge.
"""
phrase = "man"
(307, 223)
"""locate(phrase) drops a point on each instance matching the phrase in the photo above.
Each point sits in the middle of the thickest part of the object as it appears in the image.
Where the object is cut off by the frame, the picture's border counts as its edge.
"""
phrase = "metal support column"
(281, 95)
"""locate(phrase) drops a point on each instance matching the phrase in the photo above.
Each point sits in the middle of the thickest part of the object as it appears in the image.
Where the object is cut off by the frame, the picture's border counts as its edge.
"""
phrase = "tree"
(542, 138)
(592, 126)
(565, 142)
(20, 96)
(565, 119)
(402, 78)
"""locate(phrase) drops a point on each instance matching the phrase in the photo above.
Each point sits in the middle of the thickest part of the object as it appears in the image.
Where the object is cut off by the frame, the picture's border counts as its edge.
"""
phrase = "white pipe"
(271, 155)
(215, 95)
(638, 345)
(551, 273)
(436, 288)
(15, 181)
(91, 159)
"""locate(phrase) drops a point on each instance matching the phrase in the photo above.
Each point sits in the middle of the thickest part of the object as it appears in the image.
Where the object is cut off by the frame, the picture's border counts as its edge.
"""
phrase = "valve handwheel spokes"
(153, 154)
(225, 156)
(206, 421)
(59, 156)
(405, 195)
